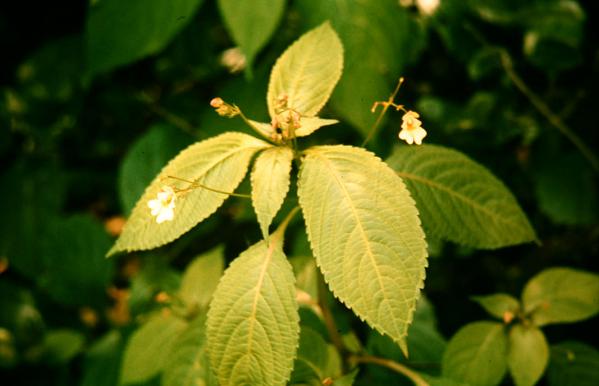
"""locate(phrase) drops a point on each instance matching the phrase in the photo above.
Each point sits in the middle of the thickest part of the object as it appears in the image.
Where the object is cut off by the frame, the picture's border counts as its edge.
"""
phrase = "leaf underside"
(270, 184)
(307, 72)
(365, 233)
(219, 163)
(253, 322)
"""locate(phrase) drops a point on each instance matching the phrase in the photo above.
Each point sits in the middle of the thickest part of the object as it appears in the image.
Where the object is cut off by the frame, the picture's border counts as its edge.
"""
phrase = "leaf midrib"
(458, 195)
(274, 239)
(481, 348)
(362, 231)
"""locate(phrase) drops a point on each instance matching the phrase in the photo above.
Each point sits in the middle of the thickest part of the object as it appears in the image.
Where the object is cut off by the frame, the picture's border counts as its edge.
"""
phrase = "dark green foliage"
(93, 108)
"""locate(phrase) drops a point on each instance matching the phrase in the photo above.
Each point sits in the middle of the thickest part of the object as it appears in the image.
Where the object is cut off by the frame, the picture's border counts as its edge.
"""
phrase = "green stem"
(253, 127)
(545, 111)
(376, 124)
(280, 232)
(198, 185)
(392, 365)
(327, 316)
(171, 118)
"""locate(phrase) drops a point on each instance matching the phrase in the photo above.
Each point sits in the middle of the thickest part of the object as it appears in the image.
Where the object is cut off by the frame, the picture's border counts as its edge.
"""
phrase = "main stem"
(542, 108)
(327, 316)
(395, 366)
(386, 106)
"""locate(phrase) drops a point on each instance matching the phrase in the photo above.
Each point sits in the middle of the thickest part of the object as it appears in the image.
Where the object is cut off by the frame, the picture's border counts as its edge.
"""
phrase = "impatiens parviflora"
(411, 128)
(163, 206)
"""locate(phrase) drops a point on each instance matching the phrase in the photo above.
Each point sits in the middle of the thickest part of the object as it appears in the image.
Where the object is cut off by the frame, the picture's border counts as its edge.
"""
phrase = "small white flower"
(411, 128)
(163, 206)
(427, 7)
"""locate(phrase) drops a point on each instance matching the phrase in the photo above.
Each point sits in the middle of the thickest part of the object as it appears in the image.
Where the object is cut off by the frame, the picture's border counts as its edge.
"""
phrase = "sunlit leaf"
(219, 163)
(460, 200)
(270, 184)
(528, 354)
(109, 21)
(307, 72)
(253, 324)
(149, 347)
(201, 277)
(561, 295)
(251, 23)
(187, 365)
(379, 38)
(311, 124)
(477, 354)
(365, 234)
(500, 306)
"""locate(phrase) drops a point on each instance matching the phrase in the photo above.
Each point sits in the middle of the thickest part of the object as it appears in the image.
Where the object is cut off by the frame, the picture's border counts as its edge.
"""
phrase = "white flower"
(427, 7)
(411, 130)
(163, 206)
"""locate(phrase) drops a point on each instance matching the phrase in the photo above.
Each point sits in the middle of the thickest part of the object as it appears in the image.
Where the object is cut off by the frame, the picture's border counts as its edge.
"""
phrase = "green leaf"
(379, 38)
(149, 348)
(60, 346)
(314, 363)
(103, 360)
(219, 163)
(145, 159)
(347, 379)
(566, 190)
(308, 125)
(561, 295)
(119, 33)
(187, 364)
(365, 233)
(501, 306)
(270, 184)
(31, 199)
(528, 354)
(573, 364)
(76, 272)
(477, 354)
(306, 275)
(460, 200)
(154, 276)
(253, 321)
(201, 277)
(307, 72)
(251, 23)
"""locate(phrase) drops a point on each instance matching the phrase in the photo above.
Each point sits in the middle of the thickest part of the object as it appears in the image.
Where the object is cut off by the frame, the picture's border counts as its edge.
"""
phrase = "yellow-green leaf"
(365, 233)
(219, 163)
(201, 277)
(561, 295)
(149, 347)
(460, 200)
(270, 184)
(187, 364)
(253, 322)
(307, 72)
(528, 354)
(501, 306)
(311, 124)
(477, 354)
